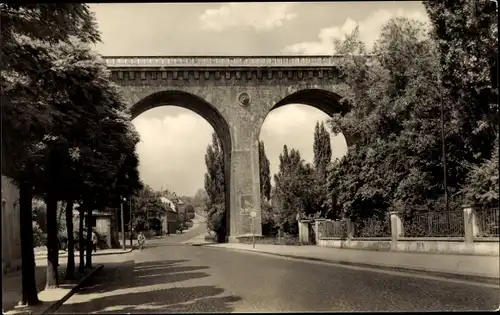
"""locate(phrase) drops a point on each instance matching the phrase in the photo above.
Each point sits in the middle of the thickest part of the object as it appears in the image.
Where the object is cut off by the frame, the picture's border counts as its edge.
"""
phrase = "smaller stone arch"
(328, 102)
(205, 110)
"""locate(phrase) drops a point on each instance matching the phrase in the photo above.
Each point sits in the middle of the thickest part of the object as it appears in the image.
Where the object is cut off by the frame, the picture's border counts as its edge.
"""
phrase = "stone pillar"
(317, 233)
(471, 226)
(396, 228)
(304, 232)
(245, 190)
(350, 229)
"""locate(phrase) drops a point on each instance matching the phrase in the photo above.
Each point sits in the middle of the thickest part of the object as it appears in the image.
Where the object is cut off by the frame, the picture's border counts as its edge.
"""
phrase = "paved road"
(170, 277)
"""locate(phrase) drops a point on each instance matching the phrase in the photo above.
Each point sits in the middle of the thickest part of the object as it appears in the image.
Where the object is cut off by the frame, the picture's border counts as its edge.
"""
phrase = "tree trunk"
(221, 233)
(52, 242)
(70, 266)
(88, 220)
(81, 243)
(29, 292)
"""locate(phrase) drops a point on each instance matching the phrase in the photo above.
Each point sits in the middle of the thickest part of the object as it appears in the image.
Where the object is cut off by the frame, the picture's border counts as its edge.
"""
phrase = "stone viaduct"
(234, 94)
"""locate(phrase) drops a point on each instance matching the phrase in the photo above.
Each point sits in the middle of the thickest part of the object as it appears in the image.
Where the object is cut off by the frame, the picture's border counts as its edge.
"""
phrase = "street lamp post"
(123, 223)
(253, 214)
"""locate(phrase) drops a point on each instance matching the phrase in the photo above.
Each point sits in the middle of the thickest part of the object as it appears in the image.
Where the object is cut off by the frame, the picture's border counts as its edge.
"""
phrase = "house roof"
(169, 203)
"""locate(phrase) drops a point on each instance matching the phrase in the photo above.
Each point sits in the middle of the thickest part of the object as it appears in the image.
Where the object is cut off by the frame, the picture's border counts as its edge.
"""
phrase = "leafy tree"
(396, 162)
(470, 76)
(294, 181)
(322, 158)
(99, 105)
(200, 199)
(107, 167)
(182, 220)
(268, 218)
(322, 149)
(29, 33)
(146, 200)
(214, 186)
(482, 182)
(265, 174)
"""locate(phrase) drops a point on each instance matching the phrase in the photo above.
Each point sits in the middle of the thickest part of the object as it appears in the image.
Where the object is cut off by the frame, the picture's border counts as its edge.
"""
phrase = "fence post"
(350, 229)
(471, 228)
(396, 229)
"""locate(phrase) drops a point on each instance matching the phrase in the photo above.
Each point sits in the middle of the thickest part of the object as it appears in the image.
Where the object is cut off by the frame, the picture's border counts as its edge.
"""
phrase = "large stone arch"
(206, 110)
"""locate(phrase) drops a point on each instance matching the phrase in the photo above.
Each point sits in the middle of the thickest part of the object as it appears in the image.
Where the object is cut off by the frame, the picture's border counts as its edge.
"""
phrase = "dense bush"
(215, 220)
(39, 237)
(268, 221)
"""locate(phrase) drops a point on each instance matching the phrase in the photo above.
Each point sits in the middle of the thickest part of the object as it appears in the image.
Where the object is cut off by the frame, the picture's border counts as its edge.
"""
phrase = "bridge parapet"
(221, 61)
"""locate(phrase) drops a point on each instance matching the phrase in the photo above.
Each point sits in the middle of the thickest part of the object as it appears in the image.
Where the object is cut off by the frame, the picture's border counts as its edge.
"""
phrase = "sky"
(174, 140)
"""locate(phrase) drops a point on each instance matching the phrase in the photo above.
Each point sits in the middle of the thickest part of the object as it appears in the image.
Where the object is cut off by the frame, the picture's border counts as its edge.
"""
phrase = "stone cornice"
(160, 62)
(151, 74)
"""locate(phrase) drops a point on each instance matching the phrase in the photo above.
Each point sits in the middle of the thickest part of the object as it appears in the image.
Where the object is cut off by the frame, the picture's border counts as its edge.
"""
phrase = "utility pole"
(130, 225)
(443, 144)
(123, 223)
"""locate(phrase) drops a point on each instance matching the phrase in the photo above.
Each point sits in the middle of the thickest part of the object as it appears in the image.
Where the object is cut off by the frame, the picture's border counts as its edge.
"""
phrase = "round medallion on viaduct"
(244, 99)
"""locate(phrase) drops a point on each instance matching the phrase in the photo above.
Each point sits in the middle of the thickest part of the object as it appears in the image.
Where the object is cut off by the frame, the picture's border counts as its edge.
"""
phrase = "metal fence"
(435, 224)
(329, 228)
(373, 227)
(488, 222)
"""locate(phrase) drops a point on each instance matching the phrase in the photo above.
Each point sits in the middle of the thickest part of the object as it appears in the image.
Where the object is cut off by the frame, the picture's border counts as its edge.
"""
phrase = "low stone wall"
(451, 245)
(272, 240)
(382, 243)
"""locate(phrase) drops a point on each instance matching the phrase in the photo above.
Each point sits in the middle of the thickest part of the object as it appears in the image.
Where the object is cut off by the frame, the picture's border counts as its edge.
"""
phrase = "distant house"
(169, 217)
(181, 206)
(102, 224)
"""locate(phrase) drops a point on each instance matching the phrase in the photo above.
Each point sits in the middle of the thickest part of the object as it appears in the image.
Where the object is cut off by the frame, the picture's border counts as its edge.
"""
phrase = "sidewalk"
(457, 265)
(110, 251)
(12, 290)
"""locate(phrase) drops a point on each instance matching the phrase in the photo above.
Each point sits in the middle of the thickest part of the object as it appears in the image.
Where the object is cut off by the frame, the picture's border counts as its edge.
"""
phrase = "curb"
(93, 254)
(442, 274)
(52, 308)
(201, 244)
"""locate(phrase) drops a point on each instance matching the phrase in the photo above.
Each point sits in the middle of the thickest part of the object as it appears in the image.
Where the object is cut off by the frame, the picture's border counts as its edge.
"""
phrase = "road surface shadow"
(174, 300)
(148, 288)
(129, 275)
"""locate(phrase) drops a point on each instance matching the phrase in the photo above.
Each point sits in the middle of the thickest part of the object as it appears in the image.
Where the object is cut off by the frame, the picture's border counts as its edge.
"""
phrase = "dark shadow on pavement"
(174, 300)
(129, 274)
(134, 288)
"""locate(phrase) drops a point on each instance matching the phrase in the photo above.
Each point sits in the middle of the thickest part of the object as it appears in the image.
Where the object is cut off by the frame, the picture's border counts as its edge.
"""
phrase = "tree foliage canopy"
(395, 98)
(214, 185)
(264, 172)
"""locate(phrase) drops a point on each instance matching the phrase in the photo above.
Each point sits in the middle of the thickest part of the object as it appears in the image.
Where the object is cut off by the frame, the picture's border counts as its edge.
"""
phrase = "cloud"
(172, 149)
(369, 31)
(260, 16)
